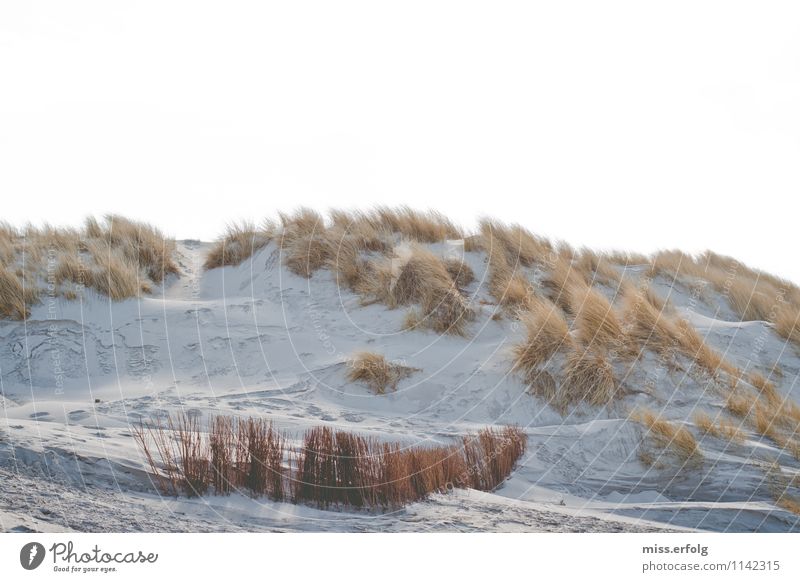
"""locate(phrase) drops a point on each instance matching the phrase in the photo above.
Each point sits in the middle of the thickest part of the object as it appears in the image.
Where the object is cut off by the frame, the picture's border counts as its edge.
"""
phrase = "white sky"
(635, 125)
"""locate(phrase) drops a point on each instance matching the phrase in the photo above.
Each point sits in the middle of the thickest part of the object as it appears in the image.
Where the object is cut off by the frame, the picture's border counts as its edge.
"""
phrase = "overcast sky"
(634, 125)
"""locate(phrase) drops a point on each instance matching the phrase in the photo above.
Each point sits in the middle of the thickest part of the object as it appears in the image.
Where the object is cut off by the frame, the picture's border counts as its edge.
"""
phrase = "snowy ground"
(258, 340)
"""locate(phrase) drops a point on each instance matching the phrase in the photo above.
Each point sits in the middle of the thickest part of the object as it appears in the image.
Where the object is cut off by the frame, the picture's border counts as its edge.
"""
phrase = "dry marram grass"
(547, 333)
(117, 257)
(596, 320)
(239, 242)
(461, 273)
(376, 372)
(720, 428)
(589, 378)
(424, 280)
(667, 435)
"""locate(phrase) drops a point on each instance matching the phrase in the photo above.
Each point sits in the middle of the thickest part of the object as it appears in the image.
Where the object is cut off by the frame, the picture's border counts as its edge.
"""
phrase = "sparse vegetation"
(307, 254)
(376, 372)
(564, 284)
(787, 322)
(779, 485)
(114, 275)
(752, 294)
(646, 326)
(518, 245)
(239, 242)
(346, 240)
(547, 333)
(117, 257)
(460, 272)
(508, 286)
(596, 320)
(690, 344)
(598, 268)
(765, 388)
(543, 385)
(588, 373)
(144, 246)
(15, 297)
(588, 377)
(674, 264)
(772, 418)
(355, 272)
(332, 467)
(720, 428)
(668, 436)
(423, 279)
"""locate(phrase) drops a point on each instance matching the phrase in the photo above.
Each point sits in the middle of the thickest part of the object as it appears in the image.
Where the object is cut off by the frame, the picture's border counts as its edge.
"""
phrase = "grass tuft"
(376, 372)
(720, 428)
(240, 241)
(668, 436)
(589, 378)
(596, 320)
(547, 333)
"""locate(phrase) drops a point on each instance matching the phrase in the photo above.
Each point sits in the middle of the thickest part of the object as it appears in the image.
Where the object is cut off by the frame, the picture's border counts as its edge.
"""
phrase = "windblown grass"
(547, 333)
(302, 223)
(506, 284)
(365, 233)
(773, 418)
(675, 265)
(667, 435)
(597, 268)
(307, 254)
(596, 320)
(509, 249)
(588, 373)
(543, 384)
(421, 271)
(113, 274)
(654, 299)
(520, 247)
(764, 387)
(143, 245)
(751, 299)
(689, 342)
(787, 323)
(376, 372)
(460, 272)
(719, 427)
(645, 325)
(332, 467)
(425, 227)
(589, 378)
(755, 295)
(15, 296)
(564, 285)
(239, 242)
(374, 225)
(649, 324)
(355, 272)
(424, 280)
(117, 257)
(790, 503)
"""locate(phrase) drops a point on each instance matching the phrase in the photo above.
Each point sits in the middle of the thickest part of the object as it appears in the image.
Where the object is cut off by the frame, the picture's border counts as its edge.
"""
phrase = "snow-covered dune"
(258, 340)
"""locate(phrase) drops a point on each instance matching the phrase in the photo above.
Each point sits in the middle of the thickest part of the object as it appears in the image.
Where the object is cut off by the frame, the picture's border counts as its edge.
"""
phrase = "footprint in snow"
(77, 414)
(22, 529)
